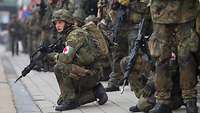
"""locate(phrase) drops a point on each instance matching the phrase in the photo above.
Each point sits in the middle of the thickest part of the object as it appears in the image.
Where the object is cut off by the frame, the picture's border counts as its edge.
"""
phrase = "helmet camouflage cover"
(62, 14)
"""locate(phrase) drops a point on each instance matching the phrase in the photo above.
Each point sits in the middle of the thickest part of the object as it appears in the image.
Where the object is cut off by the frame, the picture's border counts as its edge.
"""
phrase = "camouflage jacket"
(85, 50)
(173, 11)
(134, 11)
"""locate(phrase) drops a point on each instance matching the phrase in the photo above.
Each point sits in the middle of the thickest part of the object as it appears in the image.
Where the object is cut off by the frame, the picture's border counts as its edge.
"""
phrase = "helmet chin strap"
(67, 28)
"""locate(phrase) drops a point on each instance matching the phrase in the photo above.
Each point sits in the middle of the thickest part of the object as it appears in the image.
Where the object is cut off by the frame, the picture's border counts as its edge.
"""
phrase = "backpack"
(96, 33)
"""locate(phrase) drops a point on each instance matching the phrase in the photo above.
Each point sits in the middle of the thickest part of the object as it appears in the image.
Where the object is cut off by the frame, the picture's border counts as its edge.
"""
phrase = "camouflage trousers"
(174, 42)
(72, 88)
(140, 75)
(125, 41)
(14, 45)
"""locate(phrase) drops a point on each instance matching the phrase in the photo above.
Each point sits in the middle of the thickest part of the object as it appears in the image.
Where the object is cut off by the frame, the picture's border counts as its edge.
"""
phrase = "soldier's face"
(60, 25)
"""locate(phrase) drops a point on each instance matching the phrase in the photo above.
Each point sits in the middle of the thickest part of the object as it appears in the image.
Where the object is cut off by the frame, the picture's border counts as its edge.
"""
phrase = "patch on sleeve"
(68, 50)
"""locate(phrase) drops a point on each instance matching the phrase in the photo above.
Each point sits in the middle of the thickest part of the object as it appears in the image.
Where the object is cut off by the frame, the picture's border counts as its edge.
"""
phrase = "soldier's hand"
(52, 58)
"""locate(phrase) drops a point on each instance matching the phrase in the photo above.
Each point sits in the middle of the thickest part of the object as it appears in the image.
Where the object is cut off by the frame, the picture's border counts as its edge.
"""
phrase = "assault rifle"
(139, 44)
(39, 54)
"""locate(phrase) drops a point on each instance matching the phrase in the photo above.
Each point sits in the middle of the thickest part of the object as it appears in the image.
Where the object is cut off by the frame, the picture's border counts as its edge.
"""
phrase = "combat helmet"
(63, 14)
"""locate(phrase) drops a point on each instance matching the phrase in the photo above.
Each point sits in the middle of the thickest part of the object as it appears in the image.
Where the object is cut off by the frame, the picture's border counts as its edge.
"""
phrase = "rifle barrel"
(18, 79)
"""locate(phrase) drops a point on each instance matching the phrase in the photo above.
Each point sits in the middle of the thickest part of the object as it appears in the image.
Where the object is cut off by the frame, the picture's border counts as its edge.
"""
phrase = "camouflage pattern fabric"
(140, 76)
(126, 36)
(168, 12)
(198, 32)
(174, 41)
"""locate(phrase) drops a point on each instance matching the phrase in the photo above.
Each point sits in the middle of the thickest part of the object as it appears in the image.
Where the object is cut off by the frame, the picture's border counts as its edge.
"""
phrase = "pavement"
(6, 97)
(38, 91)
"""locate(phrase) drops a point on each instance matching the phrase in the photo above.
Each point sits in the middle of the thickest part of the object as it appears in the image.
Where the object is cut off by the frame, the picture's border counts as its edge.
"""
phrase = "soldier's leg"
(137, 82)
(17, 47)
(118, 53)
(105, 69)
(66, 86)
(187, 46)
(89, 90)
(161, 49)
(86, 97)
(98, 94)
(13, 45)
(176, 94)
(30, 43)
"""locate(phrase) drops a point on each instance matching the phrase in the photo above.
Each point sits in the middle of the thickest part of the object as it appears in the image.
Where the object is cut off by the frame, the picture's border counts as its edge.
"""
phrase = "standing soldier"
(34, 24)
(141, 77)
(14, 31)
(77, 66)
(126, 33)
(48, 33)
(174, 40)
(47, 26)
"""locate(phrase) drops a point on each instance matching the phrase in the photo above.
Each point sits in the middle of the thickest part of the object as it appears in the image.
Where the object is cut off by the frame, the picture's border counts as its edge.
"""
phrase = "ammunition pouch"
(77, 72)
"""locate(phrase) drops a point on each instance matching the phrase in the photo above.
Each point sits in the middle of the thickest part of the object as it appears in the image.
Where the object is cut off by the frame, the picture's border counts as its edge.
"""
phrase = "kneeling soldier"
(77, 65)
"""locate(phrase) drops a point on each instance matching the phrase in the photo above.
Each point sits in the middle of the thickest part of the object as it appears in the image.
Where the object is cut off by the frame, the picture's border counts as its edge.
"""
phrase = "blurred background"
(20, 8)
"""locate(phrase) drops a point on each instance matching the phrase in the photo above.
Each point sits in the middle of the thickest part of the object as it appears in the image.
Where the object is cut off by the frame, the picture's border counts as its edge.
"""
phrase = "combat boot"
(100, 94)
(67, 105)
(134, 109)
(160, 108)
(60, 100)
(191, 106)
(143, 105)
(112, 88)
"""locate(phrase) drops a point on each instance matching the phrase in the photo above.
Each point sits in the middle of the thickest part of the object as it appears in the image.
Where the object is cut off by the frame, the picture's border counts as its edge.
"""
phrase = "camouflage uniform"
(77, 72)
(140, 74)
(79, 8)
(48, 33)
(141, 83)
(174, 39)
(126, 36)
(34, 24)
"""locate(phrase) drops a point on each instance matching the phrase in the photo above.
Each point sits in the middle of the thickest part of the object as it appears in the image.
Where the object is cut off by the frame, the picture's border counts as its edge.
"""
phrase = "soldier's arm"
(75, 40)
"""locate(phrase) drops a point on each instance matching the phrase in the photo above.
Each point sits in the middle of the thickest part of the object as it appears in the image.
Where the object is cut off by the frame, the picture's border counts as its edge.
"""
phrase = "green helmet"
(62, 14)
